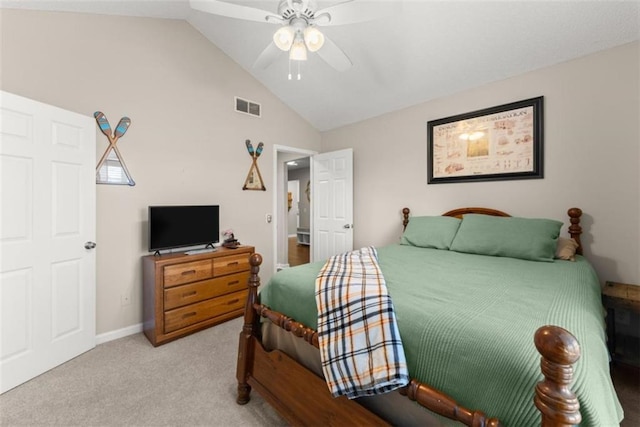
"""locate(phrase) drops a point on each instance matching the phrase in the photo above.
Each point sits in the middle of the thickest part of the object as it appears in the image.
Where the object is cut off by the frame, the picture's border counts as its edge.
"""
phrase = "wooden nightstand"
(618, 296)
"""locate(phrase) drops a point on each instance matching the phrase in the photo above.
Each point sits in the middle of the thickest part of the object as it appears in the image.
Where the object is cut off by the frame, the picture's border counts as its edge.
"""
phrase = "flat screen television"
(181, 226)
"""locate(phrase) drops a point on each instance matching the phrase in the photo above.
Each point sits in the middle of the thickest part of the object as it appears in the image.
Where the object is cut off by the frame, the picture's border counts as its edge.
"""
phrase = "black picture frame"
(504, 142)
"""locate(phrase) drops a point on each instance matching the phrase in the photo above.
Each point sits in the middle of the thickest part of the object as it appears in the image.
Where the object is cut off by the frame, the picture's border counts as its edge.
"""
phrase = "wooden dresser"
(186, 293)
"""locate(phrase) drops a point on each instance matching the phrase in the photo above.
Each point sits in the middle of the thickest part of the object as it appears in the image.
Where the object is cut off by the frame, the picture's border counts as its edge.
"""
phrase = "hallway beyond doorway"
(298, 254)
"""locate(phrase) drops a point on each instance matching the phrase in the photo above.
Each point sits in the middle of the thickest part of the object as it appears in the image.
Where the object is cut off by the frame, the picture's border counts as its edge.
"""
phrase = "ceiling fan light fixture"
(298, 52)
(313, 38)
(283, 38)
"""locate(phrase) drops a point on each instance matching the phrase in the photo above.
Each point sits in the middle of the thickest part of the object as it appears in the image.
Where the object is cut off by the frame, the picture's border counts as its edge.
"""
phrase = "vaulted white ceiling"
(420, 51)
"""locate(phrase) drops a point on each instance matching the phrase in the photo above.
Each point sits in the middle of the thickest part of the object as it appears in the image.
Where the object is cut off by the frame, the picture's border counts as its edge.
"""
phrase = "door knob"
(347, 226)
(89, 245)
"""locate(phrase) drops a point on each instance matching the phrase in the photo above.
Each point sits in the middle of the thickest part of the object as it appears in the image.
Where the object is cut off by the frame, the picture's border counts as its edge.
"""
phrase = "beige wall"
(591, 159)
(185, 144)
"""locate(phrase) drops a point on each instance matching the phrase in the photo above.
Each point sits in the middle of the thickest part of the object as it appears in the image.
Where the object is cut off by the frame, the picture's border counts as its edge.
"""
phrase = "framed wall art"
(498, 143)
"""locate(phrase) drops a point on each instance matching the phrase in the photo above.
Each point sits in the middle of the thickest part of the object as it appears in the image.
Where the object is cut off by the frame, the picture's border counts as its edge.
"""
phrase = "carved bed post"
(554, 399)
(575, 230)
(405, 218)
(245, 346)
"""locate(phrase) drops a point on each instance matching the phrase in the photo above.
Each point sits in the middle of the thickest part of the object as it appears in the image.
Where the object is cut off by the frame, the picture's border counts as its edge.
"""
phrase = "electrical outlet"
(125, 299)
(268, 218)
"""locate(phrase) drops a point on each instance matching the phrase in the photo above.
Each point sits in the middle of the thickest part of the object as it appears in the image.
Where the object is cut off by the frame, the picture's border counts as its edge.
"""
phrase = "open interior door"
(331, 204)
(47, 260)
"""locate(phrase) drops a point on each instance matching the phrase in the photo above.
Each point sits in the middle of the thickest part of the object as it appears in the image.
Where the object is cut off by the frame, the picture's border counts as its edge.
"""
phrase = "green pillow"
(525, 238)
(430, 231)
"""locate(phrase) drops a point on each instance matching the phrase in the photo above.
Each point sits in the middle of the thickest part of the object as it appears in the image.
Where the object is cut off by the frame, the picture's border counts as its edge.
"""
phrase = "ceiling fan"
(298, 33)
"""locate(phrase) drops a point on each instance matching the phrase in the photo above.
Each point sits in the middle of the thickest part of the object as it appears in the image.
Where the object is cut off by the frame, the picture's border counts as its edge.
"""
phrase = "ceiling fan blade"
(268, 56)
(350, 12)
(334, 56)
(232, 10)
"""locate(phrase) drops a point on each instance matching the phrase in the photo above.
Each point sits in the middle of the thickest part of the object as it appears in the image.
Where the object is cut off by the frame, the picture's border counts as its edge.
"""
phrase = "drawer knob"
(232, 263)
(191, 314)
(235, 282)
(233, 301)
(188, 294)
(184, 273)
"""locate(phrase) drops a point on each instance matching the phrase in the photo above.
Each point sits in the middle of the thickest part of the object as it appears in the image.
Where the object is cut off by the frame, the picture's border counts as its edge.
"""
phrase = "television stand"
(184, 293)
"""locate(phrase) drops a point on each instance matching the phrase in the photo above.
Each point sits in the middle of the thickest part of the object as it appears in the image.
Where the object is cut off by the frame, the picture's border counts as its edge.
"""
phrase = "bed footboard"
(250, 329)
(554, 399)
(283, 389)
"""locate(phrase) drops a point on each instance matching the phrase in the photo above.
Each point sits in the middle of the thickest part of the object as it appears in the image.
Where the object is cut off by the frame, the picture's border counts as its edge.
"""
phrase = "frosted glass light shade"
(298, 52)
(283, 38)
(313, 38)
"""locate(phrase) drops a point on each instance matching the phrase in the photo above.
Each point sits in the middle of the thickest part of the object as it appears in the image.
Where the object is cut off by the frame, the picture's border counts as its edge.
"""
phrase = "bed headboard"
(575, 230)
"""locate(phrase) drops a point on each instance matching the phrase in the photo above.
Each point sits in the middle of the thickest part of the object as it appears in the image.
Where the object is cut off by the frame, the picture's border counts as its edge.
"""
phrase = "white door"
(332, 203)
(47, 226)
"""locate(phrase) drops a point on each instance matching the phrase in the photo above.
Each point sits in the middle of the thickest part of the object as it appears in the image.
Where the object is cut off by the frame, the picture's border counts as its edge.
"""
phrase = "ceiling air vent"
(247, 107)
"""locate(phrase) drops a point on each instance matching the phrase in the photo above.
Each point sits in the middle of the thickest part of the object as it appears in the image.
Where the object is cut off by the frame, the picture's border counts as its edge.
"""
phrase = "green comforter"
(467, 324)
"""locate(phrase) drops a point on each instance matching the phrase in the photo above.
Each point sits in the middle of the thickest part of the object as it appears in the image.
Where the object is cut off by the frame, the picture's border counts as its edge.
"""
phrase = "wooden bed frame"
(302, 397)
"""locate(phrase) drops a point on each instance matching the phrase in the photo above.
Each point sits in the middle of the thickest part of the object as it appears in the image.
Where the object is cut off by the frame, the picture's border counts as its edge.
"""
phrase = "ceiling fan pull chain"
(289, 68)
(299, 75)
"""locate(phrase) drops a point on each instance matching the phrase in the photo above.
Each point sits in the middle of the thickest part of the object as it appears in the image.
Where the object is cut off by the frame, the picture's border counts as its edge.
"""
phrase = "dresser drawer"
(194, 292)
(205, 310)
(187, 272)
(231, 264)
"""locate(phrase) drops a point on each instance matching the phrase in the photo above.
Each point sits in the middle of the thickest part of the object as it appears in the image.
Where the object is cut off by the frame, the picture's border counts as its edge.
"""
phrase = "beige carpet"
(128, 382)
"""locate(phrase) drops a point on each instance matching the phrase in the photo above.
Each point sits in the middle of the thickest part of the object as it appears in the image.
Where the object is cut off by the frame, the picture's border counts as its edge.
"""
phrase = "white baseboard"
(120, 333)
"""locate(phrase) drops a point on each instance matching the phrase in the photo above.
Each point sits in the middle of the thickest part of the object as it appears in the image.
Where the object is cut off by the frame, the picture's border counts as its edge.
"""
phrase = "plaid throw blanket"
(360, 346)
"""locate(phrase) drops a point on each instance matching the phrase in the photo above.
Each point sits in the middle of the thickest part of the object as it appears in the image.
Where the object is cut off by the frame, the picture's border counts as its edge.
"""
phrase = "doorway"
(299, 211)
(331, 222)
(282, 155)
